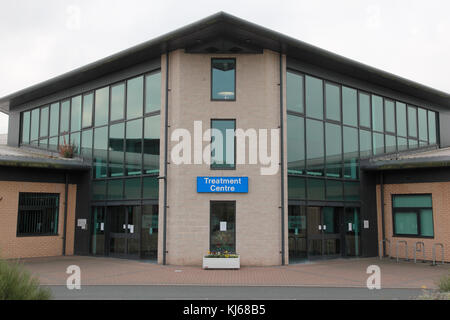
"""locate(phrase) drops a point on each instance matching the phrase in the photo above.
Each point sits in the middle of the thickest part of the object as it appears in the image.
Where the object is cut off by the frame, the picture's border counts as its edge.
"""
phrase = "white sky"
(45, 38)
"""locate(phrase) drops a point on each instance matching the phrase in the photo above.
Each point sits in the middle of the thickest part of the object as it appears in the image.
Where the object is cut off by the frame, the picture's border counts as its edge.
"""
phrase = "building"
(145, 185)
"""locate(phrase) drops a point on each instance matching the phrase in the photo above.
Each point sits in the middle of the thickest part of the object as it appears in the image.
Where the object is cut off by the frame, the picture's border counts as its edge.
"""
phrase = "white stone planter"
(221, 263)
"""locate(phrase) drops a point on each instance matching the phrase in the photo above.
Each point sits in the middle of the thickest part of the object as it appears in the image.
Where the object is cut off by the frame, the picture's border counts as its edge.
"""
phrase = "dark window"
(314, 147)
(364, 110)
(223, 144)
(75, 124)
(88, 103)
(294, 92)
(38, 214)
(314, 97)
(401, 119)
(117, 101)
(65, 115)
(223, 79)
(423, 124)
(295, 144)
(413, 215)
(412, 121)
(54, 119)
(350, 106)
(333, 101)
(389, 108)
(333, 150)
(152, 127)
(377, 113)
(223, 226)
(153, 92)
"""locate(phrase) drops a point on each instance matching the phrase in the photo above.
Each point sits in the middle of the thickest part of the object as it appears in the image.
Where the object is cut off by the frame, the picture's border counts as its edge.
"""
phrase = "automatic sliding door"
(315, 236)
(352, 232)
(332, 231)
(117, 231)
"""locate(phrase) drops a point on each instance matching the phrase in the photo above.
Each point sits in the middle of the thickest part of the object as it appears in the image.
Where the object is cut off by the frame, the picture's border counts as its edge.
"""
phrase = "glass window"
(151, 188)
(412, 121)
(314, 147)
(351, 167)
(100, 151)
(116, 147)
(133, 156)
(223, 239)
(364, 110)
(88, 103)
(43, 132)
(53, 143)
(432, 127)
(333, 150)
(423, 124)
(402, 144)
(75, 140)
(43, 143)
(135, 97)
(133, 188)
(351, 191)
(54, 119)
(101, 106)
(389, 108)
(222, 146)
(86, 143)
(365, 144)
(335, 191)
(34, 124)
(316, 189)
(115, 189)
(38, 214)
(75, 124)
(153, 92)
(294, 92)
(152, 127)
(377, 113)
(413, 215)
(333, 101)
(26, 120)
(391, 144)
(314, 97)
(296, 188)
(295, 144)
(401, 119)
(99, 190)
(65, 114)
(223, 79)
(413, 144)
(378, 143)
(117, 101)
(350, 106)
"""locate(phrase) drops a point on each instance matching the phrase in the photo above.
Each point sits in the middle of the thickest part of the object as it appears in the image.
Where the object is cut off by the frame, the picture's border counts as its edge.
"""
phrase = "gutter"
(283, 262)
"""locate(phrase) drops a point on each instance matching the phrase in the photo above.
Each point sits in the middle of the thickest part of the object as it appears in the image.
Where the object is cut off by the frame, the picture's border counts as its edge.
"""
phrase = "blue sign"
(222, 184)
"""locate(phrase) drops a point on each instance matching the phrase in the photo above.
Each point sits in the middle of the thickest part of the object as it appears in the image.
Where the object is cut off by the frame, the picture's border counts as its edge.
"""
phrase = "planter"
(221, 263)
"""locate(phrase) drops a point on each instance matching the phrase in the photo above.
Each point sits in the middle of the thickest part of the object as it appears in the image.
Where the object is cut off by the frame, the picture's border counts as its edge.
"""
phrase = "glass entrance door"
(149, 232)
(297, 233)
(352, 232)
(124, 231)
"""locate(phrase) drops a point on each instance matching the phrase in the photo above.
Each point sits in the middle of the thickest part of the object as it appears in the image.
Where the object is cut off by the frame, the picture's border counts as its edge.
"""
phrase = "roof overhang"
(226, 26)
(56, 164)
(415, 163)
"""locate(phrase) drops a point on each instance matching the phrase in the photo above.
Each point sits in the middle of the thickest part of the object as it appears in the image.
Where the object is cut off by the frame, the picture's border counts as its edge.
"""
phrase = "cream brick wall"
(258, 229)
(441, 217)
(11, 246)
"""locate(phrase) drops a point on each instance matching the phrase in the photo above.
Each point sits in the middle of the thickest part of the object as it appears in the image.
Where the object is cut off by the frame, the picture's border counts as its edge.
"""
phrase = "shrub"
(444, 284)
(16, 283)
(67, 150)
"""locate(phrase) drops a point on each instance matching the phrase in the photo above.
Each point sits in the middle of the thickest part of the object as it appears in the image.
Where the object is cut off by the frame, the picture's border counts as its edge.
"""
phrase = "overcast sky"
(45, 38)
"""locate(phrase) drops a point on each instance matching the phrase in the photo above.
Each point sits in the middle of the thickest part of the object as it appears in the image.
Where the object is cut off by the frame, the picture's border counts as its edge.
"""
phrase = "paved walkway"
(340, 273)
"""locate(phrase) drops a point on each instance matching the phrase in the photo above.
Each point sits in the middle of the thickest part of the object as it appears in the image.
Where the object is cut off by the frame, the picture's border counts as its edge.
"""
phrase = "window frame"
(416, 210)
(235, 79)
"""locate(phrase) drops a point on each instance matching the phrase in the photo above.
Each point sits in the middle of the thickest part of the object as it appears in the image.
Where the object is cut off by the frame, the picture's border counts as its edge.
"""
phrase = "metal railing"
(406, 249)
(380, 248)
(434, 252)
(419, 246)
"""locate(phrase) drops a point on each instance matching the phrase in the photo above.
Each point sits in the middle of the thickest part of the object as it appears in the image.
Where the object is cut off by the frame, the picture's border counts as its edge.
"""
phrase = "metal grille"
(38, 214)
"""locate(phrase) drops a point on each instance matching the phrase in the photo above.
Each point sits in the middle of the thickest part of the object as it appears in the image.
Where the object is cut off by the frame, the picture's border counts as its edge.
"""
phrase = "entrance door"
(324, 232)
(297, 233)
(124, 231)
(352, 232)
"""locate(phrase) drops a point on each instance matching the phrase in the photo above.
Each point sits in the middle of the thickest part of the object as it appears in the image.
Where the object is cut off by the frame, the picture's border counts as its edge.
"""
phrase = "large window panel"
(54, 119)
(75, 124)
(116, 148)
(314, 97)
(223, 79)
(86, 143)
(38, 214)
(351, 156)
(43, 132)
(350, 106)
(377, 113)
(389, 108)
(117, 101)
(423, 124)
(223, 144)
(75, 140)
(296, 188)
(314, 147)
(316, 189)
(333, 150)
(152, 127)
(401, 119)
(101, 106)
(333, 102)
(133, 188)
(391, 144)
(295, 144)
(402, 144)
(378, 143)
(413, 215)
(153, 92)
(364, 110)
(88, 105)
(294, 92)
(100, 151)
(26, 122)
(432, 127)
(65, 115)
(135, 97)
(133, 156)
(335, 190)
(150, 188)
(412, 121)
(34, 124)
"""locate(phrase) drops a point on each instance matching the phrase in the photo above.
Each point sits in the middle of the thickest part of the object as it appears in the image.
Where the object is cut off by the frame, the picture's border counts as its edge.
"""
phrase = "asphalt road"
(187, 292)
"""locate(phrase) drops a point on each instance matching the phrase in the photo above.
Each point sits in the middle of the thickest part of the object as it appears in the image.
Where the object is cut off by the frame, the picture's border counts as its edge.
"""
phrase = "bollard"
(434, 252)
(421, 246)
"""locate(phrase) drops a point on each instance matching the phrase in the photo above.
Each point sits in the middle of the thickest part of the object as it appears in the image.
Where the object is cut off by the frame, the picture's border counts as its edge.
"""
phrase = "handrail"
(381, 245)
(419, 245)
(406, 249)
(434, 252)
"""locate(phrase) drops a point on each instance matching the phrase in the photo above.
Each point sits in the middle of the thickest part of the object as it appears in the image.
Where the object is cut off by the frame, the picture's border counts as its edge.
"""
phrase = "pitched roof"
(225, 26)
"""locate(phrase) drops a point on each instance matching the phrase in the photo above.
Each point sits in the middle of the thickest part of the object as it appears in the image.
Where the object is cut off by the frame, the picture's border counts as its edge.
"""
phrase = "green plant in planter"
(219, 254)
(67, 150)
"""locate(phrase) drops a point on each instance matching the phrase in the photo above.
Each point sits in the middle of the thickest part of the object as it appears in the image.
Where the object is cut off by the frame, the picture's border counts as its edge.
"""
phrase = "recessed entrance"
(322, 232)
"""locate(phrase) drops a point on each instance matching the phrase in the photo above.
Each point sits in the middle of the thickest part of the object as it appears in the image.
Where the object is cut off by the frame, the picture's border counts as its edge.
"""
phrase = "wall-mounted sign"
(222, 184)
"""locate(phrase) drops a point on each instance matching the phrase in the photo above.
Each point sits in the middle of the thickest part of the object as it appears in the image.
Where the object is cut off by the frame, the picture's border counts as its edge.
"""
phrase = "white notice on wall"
(350, 228)
(102, 226)
(223, 226)
(366, 224)
(82, 223)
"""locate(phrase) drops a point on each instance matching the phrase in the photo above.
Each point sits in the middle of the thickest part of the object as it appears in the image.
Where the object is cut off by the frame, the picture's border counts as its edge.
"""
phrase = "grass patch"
(16, 283)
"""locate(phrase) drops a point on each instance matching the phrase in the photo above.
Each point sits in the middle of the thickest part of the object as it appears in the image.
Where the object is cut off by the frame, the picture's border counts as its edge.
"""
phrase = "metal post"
(419, 245)
(406, 249)
(434, 252)
(383, 246)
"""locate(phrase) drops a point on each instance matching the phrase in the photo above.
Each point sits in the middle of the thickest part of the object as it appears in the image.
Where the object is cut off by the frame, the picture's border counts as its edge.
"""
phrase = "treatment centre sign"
(222, 184)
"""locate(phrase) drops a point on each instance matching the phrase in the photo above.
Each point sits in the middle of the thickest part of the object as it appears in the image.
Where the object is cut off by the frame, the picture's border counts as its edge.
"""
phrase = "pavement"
(327, 279)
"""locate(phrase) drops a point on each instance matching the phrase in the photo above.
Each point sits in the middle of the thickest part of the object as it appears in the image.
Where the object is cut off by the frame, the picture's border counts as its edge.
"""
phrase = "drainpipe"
(382, 211)
(283, 262)
(66, 193)
(166, 133)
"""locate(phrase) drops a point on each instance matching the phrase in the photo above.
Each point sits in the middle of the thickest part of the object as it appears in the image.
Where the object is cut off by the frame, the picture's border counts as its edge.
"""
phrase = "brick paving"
(330, 273)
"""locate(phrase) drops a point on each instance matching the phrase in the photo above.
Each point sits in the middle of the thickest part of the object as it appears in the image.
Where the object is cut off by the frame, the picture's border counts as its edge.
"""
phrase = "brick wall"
(11, 246)
(441, 217)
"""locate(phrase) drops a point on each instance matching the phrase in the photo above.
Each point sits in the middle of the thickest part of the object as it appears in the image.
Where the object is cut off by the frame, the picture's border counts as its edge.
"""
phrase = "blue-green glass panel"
(75, 140)
(432, 127)
(314, 97)
(223, 75)
(333, 142)
(99, 190)
(296, 188)
(423, 124)
(117, 101)
(351, 156)
(391, 144)
(86, 143)
(34, 124)
(377, 113)
(153, 92)
(88, 105)
(426, 223)
(316, 189)
(115, 189)
(351, 191)
(412, 121)
(75, 124)
(294, 92)
(151, 188)
(350, 106)
(26, 122)
(378, 143)
(116, 148)
(335, 191)
(54, 119)
(406, 223)
(364, 110)
(412, 201)
(413, 144)
(314, 147)
(43, 143)
(133, 188)
(401, 119)
(389, 108)
(43, 132)
(222, 146)
(135, 97)
(133, 142)
(53, 144)
(101, 106)
(152, 126)
(333, 101)
(365, 143)
(295, 144)
(65, 114)
(100, 151)
(402, 144)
